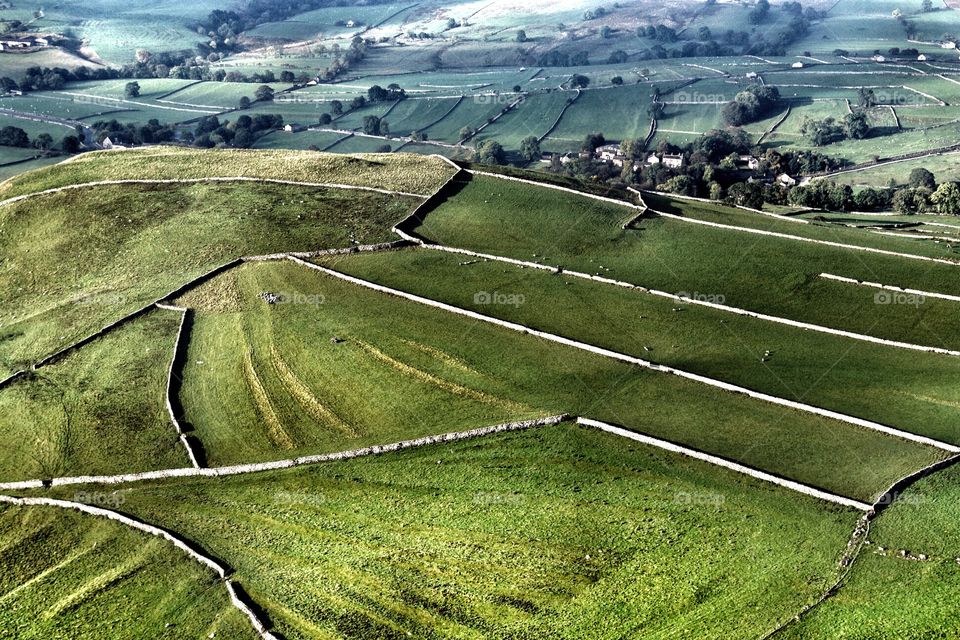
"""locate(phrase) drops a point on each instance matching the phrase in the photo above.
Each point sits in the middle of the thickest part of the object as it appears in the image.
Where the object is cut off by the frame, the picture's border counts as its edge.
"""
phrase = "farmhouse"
(797, 65)
(786, 180)
(878, 58)
(653, 159)
(611, 153)
(749, 162)
(922, 57)
(751, 75)
(109, 144)
(674, 161)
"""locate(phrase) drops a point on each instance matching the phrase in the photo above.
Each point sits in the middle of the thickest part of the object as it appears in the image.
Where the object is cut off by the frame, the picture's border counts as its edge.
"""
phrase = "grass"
(84, 414)
(143, 241)
(427, 371)
(561, 532)
(891, 596)
(816, 368)
(67, 575)
(408, 173)
(769, 275)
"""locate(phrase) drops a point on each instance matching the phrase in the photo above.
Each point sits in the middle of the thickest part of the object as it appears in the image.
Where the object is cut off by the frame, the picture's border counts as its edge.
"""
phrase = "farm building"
(786, 180)
(922, 57)
(797, 65)
(750, 162)
(674, 161)
(653, 159)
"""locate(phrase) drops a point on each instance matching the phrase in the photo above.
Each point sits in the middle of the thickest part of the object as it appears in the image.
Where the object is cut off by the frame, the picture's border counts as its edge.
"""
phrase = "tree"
(358, 103)
(70, 144)
(605, 32)
(263, 93)
(530, 148)
(926, 6)
(336, 107)
(371, 125)
(490, 152)
(591, 141)
(325, 118)
(466, 132)
(946, 199)
(578, 81)
(521, 36)
(43, 141)
(866, 98)
(616, 80)
(132, 90)
(287, 76)
(921, 177)
(14, 137)
(244, 102)
(856, 125)
(703, 33)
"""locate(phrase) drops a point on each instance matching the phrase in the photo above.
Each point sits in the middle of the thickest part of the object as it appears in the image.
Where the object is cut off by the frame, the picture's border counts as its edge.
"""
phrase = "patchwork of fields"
(753, 413)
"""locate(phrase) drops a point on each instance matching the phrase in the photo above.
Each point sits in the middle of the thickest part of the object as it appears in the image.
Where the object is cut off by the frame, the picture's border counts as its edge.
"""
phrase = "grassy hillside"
(99, 410)
(67, 575)
(560, 532)
(769, 275)
(889, 595)
(807, 366)
(405, 370)
(76, 260)
(409, 173)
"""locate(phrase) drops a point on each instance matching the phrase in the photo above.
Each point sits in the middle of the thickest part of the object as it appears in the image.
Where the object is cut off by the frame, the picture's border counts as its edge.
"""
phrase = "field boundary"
(259, 467)
(556, 123)
(218, 568)
(726, 464)
(295, 183)
(787, 236)
(647, 364)
(694, 301)
(172, 392)
(890, 287)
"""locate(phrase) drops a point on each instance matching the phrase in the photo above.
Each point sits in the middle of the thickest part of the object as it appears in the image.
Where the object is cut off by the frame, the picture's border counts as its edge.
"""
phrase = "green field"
(67, 573)
(561, 532)
(82, 415)
(167, 235)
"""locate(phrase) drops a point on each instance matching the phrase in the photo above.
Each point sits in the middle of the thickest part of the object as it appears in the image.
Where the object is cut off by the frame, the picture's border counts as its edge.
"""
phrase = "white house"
(653, 159)
(922, 57)
(752, 75)
(786, 180)
(878, 59)
(751, 162)
(797, 65)
(674, 161)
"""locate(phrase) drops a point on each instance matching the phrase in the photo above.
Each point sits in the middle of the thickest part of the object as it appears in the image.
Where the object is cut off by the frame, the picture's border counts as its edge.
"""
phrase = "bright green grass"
(67, 575)
(561, 532)
(618, 113)
(769, 275)
(816, 368)
(532, 118)
(131, 244)
(409, 172)
(500, 372)
(99, 410)
(414, 115)
(893, 597)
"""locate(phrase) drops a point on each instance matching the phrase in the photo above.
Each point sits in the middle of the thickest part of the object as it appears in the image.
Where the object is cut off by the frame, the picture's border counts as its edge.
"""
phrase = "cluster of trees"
(17, 137)
(152, 132)
(922, 194)
(820, 133)
(752, 104)
(241, 133)
(557, 58)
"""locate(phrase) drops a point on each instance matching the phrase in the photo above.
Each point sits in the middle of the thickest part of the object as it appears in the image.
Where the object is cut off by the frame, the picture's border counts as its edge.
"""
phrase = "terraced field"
(571, 416)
